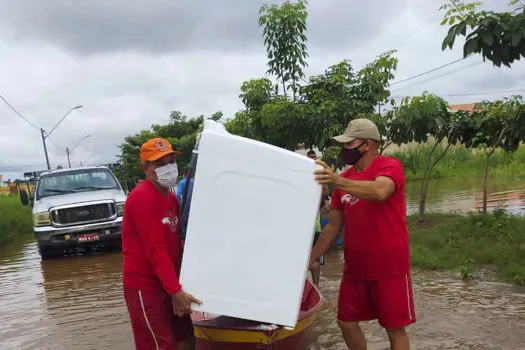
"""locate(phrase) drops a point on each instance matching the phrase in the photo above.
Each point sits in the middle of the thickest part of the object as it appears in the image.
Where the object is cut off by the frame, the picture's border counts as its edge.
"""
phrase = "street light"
(46, 135)
(69, 151)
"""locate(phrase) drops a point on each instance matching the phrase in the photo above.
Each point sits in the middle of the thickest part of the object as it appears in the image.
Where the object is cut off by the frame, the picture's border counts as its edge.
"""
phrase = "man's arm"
(324, 193)
(151, 230)
(328, 234)
(381, 189)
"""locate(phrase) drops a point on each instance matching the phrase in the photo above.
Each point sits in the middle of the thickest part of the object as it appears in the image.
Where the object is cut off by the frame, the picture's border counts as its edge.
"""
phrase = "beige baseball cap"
(363, 129)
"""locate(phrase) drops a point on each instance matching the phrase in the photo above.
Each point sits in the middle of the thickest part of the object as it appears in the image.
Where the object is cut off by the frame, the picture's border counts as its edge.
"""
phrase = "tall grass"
(460, 162)
(15, 219)
(466, 243)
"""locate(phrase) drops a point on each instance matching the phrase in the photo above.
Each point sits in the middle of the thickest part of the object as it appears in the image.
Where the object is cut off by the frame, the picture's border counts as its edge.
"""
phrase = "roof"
(469, 107)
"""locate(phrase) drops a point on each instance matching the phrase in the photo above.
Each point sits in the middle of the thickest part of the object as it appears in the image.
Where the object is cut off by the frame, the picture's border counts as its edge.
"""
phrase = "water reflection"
(77, 303)
(452, 195)
(69, 303)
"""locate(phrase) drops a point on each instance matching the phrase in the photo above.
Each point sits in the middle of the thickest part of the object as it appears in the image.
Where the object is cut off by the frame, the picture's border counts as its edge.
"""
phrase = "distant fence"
(13, 189)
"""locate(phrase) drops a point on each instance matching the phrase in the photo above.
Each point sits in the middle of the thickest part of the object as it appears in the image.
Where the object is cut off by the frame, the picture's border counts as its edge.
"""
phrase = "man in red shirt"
(158, 307)
(369, 199)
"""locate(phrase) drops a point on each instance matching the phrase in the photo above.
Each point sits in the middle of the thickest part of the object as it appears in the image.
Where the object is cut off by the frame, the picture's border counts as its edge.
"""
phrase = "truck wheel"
(48, 253)
(115, 246)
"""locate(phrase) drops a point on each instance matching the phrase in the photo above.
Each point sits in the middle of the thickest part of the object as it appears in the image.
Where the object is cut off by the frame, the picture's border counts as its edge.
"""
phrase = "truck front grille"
(83, 214)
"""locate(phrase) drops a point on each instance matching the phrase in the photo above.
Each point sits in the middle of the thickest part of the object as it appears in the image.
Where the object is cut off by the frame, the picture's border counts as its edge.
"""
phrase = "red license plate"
(89, 237)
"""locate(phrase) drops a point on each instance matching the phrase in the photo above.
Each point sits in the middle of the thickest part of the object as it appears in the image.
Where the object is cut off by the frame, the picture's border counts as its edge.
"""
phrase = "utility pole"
(46, 135)
(42, 132)
(68, 160)
(69, 151)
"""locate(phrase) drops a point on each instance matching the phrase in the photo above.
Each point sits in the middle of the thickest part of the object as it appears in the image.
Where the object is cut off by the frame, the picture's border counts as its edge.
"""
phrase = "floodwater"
(466, 195)
(77, 303)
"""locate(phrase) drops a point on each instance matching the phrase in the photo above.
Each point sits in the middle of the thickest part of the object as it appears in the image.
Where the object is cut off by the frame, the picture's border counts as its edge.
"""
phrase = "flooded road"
(466, 195)
(77, 303)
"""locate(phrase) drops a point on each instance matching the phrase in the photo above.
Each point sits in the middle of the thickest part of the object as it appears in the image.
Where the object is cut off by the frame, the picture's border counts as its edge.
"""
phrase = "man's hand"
(325, 176)
(181, 303)
(311, 264)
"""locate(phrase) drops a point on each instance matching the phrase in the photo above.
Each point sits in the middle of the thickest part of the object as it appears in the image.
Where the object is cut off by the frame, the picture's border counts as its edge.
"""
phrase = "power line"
(428, 71)
(440, 76)
(473, 93)
(19, 114)
(54, 143)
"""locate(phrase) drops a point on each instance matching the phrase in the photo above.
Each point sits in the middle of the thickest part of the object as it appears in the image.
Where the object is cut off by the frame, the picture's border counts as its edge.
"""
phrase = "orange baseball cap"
(154, 149)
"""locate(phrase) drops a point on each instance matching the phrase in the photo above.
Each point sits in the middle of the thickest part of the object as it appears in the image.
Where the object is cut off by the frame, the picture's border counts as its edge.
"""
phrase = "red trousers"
(154, 325)
(388, 300)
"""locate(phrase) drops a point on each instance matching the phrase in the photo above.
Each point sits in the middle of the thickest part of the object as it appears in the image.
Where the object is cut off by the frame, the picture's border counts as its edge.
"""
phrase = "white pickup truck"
(76, 208)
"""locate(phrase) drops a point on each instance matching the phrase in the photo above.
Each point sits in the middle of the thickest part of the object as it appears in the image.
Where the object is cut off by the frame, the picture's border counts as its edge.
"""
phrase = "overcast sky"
(131, 62)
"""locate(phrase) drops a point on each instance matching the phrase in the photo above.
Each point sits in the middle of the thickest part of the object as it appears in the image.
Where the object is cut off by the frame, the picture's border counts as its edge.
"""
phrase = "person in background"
(182, 184)
(369, 198)
(158, 307)
(316, 268)
(130, 184)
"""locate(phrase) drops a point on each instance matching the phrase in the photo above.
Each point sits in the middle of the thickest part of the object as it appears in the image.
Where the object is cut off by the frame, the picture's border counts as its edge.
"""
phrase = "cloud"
(131, 63)
(90, 27)
(159, 26)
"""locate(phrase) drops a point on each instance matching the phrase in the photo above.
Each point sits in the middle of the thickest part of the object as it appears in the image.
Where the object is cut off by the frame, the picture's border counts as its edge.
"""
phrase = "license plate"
(89, 237)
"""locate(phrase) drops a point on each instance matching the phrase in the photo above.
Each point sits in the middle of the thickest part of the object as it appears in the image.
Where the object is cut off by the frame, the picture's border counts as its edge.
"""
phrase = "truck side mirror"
(24, 198)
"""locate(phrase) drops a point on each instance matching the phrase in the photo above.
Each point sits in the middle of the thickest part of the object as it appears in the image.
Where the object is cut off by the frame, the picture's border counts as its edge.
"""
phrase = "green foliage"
(342, 94)
(461, 163)
(493, 125)
(284, 37)
(421, 117)
(15, 219)
(496, 124)
(323, 108)
(498, 37)
(181, 132)
(467, 243)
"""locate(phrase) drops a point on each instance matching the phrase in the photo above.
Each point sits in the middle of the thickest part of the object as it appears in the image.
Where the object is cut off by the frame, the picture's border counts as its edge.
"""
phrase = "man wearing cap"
(158, 307)
(369, 199)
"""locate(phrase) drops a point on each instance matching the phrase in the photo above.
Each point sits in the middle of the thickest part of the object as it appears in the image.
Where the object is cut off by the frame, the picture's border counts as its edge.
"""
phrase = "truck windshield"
(75, 181)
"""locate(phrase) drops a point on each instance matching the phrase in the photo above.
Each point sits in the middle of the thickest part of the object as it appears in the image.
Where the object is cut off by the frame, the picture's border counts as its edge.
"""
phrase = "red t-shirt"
(150, 240)
(376, 243)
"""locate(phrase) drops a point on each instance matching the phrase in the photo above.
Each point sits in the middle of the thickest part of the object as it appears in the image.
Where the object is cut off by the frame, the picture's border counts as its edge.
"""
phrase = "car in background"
(76, 209)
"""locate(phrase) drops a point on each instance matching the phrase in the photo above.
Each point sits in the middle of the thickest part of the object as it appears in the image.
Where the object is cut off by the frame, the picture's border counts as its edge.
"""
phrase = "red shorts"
(153, 322)
(388, 300)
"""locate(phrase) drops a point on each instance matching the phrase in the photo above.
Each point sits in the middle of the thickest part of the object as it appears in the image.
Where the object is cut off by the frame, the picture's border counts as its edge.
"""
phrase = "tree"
(493, 125)
(181, 132)
(320, 108)
(284, 38)
(342, 94)
(255, 94)
(421, 119)
(498, 37)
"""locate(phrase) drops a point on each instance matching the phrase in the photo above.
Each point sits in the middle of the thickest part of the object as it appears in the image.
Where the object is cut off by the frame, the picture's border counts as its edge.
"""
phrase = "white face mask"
(167, 175)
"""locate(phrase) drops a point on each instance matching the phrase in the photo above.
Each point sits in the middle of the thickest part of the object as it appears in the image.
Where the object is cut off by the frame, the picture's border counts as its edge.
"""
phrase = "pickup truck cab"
(76, 208)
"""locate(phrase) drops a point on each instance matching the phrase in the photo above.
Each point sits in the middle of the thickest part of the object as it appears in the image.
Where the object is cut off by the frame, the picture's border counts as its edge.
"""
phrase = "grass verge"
(460, 162)
(15, 219)
(466, 243)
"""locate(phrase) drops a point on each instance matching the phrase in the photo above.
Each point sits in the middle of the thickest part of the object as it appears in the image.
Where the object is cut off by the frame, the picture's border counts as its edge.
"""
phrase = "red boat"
(228, 333)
